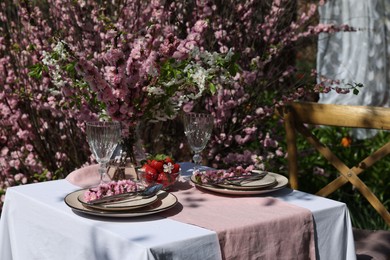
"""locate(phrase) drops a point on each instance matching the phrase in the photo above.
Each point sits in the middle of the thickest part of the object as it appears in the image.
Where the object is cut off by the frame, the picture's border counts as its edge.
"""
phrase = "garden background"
(114, 51)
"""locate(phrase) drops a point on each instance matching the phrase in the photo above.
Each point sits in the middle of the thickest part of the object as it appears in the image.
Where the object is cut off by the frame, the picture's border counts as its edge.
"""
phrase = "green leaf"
(213, 89)
(35, 71)
(70, 68)
(160, 157)
(233, 67)
(355, 91)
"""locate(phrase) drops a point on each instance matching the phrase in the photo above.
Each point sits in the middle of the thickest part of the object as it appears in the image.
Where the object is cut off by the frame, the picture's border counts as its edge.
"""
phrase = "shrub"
(43, 105)
(315, 172)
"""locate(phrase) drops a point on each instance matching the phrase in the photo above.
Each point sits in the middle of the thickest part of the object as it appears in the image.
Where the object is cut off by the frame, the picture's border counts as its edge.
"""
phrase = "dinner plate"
(165, 201)
(267, 181)
(282, 182)
(130, 203)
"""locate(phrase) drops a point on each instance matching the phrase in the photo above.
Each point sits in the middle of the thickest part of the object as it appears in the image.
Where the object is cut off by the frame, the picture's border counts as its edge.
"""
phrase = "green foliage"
(41, 177)
(159, 157)
(200, 74)
(36, 70)
(355, 87)
(315, 172)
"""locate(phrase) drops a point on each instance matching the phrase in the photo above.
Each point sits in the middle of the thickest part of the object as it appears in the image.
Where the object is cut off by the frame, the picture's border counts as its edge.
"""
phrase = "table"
(37, 224)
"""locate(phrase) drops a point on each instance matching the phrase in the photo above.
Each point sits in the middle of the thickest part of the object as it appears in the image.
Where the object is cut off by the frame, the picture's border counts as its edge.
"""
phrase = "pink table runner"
(248, 227)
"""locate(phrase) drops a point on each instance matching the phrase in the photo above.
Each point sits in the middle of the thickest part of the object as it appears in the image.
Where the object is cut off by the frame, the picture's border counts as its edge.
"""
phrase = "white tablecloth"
(37, 224)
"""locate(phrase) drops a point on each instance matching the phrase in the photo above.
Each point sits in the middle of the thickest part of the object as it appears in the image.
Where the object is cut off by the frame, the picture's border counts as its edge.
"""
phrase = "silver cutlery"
(146, 193)
(238, 180)
(241, 181)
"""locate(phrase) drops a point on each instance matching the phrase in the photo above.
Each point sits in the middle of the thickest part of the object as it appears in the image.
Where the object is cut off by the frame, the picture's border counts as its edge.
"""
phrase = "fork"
(237, 180)
(146, 193)
(249, 179)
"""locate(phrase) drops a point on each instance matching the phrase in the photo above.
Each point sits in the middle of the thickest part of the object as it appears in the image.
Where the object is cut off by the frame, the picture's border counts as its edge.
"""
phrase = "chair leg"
(367, 193)
(347, 174)
(363, 165)
(291, 150)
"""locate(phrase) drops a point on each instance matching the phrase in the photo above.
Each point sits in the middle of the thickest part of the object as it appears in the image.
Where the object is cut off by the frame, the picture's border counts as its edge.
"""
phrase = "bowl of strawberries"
(159, 169)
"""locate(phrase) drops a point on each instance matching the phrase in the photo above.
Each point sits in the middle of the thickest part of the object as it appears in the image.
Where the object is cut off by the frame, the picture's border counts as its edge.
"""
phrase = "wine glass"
(197, 128)
(103, 137)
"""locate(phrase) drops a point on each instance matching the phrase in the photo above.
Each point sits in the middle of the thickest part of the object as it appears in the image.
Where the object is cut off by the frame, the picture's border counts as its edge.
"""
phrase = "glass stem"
(102, 171)
(197, 160)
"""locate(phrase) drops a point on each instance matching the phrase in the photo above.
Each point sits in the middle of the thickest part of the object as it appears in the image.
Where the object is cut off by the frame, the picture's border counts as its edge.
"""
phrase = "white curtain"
(361, 56)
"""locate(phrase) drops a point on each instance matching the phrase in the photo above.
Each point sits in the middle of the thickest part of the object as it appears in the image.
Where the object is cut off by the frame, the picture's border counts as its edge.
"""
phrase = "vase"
(128, 156)
(133, 145)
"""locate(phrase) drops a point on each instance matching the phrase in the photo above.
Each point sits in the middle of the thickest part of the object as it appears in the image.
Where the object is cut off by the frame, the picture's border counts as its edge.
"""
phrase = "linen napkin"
(85, 177)
(89, 176)
(248, 227)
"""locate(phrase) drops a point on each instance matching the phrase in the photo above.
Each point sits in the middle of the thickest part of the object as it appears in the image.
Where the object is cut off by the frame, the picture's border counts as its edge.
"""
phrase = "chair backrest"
(297, 115)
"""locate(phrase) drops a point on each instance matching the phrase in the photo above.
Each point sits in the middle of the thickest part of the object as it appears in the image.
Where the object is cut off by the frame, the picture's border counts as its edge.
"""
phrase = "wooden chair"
(297, 115)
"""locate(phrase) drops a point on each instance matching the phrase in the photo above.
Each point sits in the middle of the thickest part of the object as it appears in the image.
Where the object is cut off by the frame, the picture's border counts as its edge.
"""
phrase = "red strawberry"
(164, 179)
(151, 173)
(174, 176)
(176, 168)
(158, 165)
(148, 168)
(169, 160)
(150, 178)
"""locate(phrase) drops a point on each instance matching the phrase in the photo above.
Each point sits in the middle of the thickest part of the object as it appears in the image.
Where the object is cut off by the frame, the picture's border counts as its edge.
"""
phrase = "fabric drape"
(361, 56)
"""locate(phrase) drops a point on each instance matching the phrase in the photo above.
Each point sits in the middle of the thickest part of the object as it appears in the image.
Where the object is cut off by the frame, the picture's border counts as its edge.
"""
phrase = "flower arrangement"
(109, 189)
(161, 169)
(180, 83)
(172, 84)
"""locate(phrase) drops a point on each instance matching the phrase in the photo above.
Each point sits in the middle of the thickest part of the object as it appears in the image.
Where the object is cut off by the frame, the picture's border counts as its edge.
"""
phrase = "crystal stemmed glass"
(103, 137)
(197, 128)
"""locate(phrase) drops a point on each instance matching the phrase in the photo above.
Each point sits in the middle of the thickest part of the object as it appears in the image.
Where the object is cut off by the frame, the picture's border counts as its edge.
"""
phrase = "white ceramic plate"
(267, 181)
(281, 183)
(165, 201)
(131, 203)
